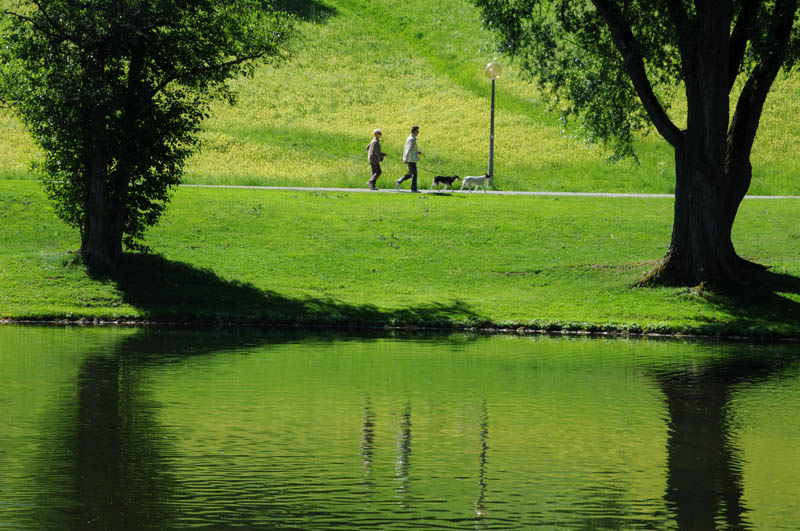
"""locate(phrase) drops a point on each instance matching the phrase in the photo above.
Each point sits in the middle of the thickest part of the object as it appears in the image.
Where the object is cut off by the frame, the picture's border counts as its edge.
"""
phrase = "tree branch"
(49, 28)
(176, 76)
(739, 38)
(744, 124)
(700, 5)
(51, 22)
(680, 20)
(625, 42)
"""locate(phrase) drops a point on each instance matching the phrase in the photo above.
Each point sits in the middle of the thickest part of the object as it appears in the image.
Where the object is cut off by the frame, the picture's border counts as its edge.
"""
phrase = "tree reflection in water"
(704, 483)
(121, 477)
(122, 474)
(480, 503)
(403, 461)
(368, 445)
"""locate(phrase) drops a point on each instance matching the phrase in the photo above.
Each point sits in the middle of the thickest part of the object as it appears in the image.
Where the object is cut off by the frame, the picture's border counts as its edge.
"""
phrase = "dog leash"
(427, 170)
(439, 171)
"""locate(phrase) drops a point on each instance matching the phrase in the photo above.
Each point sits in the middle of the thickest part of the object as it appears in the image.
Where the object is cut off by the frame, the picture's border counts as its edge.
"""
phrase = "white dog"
(476, 181)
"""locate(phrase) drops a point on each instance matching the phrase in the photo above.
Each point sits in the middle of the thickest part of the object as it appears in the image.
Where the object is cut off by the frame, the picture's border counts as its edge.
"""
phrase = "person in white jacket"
(411, 155)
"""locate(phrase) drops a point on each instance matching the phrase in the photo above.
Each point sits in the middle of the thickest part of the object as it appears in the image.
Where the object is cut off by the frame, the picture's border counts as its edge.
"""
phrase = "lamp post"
(493, 71)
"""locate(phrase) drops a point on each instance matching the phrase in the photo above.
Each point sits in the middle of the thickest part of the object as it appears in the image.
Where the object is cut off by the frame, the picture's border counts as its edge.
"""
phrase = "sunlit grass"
(392, 64)
(374, 258)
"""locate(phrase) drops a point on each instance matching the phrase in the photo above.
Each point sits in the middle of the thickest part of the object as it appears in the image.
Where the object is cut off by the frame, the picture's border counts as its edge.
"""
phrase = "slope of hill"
(362, 64)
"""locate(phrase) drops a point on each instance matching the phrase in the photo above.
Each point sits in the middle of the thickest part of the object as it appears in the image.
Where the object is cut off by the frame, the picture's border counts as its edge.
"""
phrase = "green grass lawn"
(378, 259)
(397, 259)
(363, 64)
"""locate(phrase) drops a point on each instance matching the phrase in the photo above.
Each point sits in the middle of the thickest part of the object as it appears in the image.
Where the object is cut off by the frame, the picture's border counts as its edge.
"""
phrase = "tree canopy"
(619, 64)
(114, 91)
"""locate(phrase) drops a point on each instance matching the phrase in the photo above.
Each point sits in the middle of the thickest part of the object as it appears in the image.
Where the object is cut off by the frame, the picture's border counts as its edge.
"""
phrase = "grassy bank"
(397, 259)
(388, 63)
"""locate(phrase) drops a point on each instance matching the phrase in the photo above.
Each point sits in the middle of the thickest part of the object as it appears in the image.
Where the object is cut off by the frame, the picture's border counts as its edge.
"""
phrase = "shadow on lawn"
(176, 291)
(308, 10)
(762, 302)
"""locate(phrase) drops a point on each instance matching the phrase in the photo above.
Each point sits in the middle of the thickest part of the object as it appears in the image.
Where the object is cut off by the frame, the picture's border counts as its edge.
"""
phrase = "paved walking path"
(490, 192)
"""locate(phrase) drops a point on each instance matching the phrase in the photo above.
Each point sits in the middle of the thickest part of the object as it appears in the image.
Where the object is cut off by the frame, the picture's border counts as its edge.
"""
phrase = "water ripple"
(171, 430)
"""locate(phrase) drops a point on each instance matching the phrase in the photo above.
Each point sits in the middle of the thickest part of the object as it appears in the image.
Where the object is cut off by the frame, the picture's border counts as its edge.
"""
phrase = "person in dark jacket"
(374, 157)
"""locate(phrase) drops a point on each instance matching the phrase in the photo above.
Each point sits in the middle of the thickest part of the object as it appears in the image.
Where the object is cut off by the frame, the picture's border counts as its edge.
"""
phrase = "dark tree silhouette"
(114, 91)
(618, 63)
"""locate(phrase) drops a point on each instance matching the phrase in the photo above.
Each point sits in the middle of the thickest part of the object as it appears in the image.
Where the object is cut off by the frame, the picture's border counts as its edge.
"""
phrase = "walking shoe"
(397, 185)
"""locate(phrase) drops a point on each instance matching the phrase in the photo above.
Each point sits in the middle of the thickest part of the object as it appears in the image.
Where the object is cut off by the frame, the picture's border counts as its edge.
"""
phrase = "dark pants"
(376, 172)
(412, 174)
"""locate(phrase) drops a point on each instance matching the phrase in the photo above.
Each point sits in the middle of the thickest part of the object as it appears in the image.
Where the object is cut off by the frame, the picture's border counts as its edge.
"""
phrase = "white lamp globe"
(493, 70)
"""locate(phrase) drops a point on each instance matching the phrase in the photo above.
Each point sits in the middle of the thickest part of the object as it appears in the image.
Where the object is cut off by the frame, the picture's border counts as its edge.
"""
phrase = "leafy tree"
(115, 91)
(618, 65)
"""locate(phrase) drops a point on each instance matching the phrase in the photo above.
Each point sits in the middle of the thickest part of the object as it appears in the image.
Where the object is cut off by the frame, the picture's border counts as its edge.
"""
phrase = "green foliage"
(114, 92)
(568, 47)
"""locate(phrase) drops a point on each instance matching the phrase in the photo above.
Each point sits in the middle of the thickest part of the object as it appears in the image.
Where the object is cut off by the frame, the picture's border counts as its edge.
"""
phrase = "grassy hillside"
(363, 64)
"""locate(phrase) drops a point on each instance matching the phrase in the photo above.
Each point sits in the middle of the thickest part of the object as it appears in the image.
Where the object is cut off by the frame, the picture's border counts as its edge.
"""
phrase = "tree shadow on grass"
(166, 290)
(308, 10)
(762, 306)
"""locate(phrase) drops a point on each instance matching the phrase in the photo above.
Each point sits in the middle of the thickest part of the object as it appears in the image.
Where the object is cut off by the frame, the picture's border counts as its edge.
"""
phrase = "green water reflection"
(113, 428)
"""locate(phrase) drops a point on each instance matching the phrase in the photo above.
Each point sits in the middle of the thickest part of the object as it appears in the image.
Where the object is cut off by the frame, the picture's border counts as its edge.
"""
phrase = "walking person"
(374, 157)
(411, 155)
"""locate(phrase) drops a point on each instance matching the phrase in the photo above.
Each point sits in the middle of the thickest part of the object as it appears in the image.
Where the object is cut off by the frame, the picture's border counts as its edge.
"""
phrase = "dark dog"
(445, 180)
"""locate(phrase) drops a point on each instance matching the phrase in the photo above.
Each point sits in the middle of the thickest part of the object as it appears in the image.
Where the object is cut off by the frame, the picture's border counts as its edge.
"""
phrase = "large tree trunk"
(127, 153)
(711, 178)
(707, 198)
(712, 157)
(95, 246)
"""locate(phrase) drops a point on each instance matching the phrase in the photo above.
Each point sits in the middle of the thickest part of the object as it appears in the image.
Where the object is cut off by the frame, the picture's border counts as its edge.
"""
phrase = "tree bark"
(706, 201)
(712, 165)
(712, 175)
(95, 244)
(127, 153)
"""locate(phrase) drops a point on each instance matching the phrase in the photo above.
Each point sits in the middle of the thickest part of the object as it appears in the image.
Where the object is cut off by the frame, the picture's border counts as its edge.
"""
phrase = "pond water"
(118, 428)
